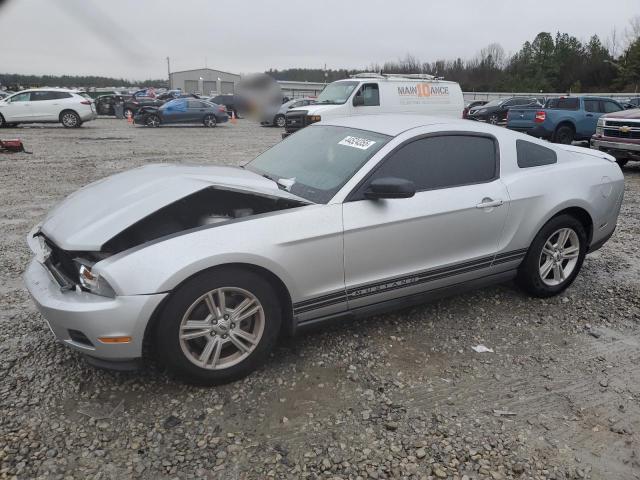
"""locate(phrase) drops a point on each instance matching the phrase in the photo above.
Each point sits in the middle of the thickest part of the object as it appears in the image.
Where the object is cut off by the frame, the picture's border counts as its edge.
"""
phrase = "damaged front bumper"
(88, 322)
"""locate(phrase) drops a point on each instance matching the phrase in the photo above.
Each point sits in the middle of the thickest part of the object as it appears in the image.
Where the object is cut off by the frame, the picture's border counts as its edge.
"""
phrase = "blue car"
(182, 110)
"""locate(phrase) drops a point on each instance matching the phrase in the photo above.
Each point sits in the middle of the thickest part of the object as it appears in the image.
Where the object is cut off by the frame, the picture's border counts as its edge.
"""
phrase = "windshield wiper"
(277, 181)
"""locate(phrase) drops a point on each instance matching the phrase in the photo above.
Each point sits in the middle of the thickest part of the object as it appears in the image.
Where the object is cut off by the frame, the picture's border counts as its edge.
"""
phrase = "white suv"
(49, 105)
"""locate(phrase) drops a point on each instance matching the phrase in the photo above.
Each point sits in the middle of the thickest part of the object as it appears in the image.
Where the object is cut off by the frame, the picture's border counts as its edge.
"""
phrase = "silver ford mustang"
(204, 266)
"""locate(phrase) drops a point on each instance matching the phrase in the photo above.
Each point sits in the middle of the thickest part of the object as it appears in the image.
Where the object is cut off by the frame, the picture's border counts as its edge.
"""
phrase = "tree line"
(560, 63)
(548, 63)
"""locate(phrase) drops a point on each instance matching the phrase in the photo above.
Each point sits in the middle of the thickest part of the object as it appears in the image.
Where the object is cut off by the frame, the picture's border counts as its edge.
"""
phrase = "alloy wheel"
(69, 119)
(559, 256)
(222, 328)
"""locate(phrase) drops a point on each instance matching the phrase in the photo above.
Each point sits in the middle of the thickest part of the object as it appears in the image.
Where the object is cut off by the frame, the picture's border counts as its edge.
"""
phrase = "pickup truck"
(563, 119)
(618, 134)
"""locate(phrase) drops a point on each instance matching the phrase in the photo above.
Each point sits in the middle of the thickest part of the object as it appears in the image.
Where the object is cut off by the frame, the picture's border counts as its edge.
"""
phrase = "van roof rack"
(414, 76)
(367, 75)
(410, 76)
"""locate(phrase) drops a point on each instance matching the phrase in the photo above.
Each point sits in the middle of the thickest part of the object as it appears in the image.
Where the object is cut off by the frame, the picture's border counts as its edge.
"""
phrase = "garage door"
(191, 86)
(208, 87)
(227, 87)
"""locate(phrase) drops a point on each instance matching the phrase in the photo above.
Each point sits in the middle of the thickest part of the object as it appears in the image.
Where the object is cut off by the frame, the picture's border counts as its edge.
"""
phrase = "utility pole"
(169, 72)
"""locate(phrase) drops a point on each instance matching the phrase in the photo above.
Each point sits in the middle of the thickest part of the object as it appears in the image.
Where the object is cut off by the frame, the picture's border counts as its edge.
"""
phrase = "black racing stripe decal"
(366, 291)
(322, 298)
(406, 281)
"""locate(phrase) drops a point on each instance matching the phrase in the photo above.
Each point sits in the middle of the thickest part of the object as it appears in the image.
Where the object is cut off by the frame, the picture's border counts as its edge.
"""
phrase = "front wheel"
(280, 121)
(70, 119)
(218, 326)
(554, 258)
(493, 119)
(152, 121)
(210, 121)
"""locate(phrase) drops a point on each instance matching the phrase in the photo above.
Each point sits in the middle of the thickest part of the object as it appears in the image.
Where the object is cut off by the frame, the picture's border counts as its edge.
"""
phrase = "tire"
(152, 121)
(493, 119)
(70, 119)
(182, 357)
(127, 112)
(210, 121)
(564, 134)
(531, 276)
(622, 161)
(3, 124)
(279, 121)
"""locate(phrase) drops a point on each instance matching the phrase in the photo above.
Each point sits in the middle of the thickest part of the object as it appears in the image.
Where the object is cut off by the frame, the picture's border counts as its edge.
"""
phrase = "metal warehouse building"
(204, 80)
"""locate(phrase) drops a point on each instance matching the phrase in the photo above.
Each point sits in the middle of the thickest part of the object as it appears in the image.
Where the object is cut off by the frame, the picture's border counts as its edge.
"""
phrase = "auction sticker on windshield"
(356, 142)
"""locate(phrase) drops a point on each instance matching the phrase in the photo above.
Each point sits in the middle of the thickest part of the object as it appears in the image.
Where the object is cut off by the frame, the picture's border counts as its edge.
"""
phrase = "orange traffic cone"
(233, 117)
(129, 117)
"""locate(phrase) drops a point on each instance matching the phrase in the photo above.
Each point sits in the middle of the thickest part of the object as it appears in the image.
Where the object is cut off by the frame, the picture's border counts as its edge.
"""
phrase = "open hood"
(95, 214)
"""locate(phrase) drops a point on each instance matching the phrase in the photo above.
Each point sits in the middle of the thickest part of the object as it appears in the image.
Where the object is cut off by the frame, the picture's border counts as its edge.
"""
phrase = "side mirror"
(358, 101)
(390, 187)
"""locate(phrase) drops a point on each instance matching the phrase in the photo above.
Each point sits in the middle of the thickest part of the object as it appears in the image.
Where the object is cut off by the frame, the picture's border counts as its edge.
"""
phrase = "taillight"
(540, 117)
(222, 109)
(85, 102)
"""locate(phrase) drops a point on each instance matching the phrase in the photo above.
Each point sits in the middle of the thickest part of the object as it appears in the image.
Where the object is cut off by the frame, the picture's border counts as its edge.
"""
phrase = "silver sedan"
(208, 265)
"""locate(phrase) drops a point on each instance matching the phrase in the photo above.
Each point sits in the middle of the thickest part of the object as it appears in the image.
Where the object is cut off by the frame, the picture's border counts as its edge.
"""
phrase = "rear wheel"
(70, 119)
(554, 258)
(564, 134)
(218, 326)
(210, 121)
(128, 113)
(152, 121)
(280, 121)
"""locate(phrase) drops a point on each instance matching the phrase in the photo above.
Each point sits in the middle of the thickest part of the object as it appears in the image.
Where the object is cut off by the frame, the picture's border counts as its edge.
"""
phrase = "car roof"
(394, 124)
(49, 89)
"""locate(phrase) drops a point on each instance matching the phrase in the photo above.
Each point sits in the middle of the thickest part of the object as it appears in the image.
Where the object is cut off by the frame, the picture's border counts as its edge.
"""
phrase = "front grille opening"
(79, 337)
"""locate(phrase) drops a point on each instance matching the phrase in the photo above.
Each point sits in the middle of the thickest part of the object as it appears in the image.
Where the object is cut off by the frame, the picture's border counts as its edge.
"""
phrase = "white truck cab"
(373, 93)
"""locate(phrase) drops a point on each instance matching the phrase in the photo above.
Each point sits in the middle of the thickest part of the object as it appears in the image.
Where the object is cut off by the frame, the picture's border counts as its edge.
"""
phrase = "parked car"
(3, 94)
(563, 119)
(618, 134)
(133, 104)
(182, 110)
(47, 105)
(371, 93)
(173, 94)
(235, 104)
(105, 103)
(348, 217)
(495, 111)
(469, 105)
(276, 116)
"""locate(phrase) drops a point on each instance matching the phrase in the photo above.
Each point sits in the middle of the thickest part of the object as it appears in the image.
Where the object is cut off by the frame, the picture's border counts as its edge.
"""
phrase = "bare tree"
(613, 43)
(633, 30)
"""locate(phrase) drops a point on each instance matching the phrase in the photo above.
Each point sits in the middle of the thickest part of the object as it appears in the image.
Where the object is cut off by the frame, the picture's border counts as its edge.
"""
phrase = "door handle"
(489, 203)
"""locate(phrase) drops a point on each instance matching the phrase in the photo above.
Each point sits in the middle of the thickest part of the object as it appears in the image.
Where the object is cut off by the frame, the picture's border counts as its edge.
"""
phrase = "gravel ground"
(394, 396)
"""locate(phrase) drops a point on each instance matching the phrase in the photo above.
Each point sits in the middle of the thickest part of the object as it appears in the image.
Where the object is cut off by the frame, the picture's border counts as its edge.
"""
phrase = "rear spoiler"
(587, 151)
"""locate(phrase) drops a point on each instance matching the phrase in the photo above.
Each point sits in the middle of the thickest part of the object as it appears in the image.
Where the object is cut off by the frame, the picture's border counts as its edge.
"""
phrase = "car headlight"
(313, 118)
(600, 126)
(94, 283)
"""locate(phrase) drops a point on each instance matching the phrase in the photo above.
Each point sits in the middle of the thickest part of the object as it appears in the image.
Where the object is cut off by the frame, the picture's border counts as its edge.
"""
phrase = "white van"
(372, 93)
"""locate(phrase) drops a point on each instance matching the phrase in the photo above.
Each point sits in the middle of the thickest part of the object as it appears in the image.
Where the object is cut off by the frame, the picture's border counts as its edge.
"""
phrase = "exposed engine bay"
(209, 206)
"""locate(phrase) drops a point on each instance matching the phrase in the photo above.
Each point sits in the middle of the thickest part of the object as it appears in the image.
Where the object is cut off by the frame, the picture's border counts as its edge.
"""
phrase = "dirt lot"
(395, 396)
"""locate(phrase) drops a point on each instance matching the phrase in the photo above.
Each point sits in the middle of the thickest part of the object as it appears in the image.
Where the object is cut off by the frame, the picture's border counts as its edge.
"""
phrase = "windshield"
(336, 93)
(318, 160)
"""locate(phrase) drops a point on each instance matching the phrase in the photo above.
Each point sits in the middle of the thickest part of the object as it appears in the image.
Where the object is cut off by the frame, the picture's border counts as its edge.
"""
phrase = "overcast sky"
(132, 39)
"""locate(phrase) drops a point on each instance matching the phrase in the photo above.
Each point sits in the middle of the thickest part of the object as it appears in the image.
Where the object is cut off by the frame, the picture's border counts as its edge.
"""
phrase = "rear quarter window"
(533, 155)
